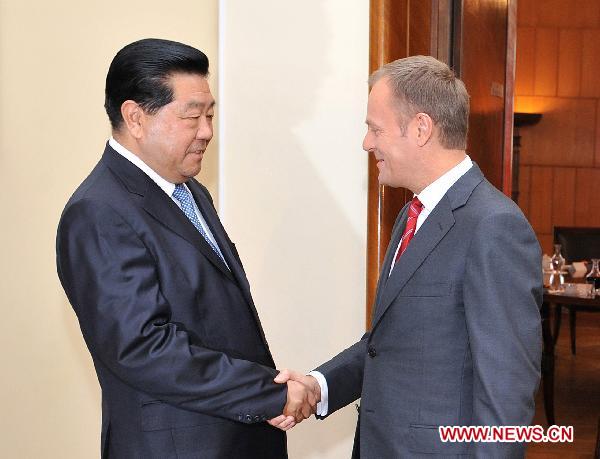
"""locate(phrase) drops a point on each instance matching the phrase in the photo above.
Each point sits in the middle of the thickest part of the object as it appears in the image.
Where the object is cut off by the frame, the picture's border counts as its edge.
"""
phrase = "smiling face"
(173, 140)
(390, 138)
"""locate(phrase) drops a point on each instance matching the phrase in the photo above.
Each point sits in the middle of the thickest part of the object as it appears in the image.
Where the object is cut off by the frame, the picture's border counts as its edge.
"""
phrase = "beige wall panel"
(53, 61)
(295, 182)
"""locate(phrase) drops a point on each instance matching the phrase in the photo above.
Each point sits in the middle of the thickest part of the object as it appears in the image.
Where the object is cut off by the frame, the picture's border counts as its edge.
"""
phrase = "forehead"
(191, 90)
(382, 102)
(380, 97)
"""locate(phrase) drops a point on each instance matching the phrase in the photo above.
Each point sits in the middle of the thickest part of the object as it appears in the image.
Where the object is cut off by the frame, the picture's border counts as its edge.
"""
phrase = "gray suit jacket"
(456, 332)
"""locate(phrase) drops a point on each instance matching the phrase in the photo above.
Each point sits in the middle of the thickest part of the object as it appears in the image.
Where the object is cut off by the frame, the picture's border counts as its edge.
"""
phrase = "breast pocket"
(426, 289)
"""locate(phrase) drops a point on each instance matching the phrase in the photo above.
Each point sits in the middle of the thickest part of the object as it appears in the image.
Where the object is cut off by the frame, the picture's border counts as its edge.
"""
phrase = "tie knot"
(180, 192)
(416, 207)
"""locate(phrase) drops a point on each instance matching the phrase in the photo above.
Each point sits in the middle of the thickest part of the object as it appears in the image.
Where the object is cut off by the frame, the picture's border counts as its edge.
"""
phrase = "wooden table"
(551, 299)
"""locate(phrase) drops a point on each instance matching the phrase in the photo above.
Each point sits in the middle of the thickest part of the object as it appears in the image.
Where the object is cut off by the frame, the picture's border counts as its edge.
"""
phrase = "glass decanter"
(557, 261)
(593, 277)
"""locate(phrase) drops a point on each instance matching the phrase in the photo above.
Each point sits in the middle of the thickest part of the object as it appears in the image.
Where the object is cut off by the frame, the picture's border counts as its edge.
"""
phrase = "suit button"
(371, 351)
(256, 418)
(248, 418)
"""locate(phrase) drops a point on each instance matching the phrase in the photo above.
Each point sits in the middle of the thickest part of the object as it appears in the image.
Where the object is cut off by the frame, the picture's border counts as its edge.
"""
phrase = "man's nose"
(367, 144)
(205, 130)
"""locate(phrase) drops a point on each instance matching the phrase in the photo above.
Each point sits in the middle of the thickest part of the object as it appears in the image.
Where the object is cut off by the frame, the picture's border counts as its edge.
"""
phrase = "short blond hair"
(424, 84)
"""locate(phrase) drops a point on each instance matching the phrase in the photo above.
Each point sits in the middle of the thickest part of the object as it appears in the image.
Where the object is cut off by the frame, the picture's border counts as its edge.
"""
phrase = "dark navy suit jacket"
(180, 354)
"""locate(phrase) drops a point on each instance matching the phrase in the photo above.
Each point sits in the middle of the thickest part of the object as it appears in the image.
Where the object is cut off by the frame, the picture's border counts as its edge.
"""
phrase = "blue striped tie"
(185, 199)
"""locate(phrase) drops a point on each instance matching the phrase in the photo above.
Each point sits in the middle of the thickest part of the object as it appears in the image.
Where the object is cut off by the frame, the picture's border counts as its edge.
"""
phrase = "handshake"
(303, 395)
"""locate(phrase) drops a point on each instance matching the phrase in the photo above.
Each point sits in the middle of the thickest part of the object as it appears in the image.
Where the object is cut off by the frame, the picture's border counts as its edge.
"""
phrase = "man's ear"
(424, 128)
(133, 116)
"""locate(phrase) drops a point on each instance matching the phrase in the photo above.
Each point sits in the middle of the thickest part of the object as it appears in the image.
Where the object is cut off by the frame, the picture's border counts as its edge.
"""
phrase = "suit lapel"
(163, 209)
(389, 255)
(213, 221)
(160, 206)
(433, 230)
(216, 228)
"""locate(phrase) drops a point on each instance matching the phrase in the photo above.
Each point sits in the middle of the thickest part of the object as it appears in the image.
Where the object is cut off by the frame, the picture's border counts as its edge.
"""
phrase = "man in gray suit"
(455, 336)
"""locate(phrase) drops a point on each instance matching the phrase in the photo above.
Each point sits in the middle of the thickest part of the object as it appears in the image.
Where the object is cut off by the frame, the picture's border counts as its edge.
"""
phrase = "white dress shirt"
(429, 197)
(164, 185)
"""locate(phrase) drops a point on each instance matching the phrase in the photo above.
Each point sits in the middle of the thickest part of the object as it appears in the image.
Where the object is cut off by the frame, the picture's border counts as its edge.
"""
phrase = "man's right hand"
(304, 393)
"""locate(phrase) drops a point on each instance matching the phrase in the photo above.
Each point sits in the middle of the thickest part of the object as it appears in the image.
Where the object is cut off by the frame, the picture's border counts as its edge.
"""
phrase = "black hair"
(141, 70)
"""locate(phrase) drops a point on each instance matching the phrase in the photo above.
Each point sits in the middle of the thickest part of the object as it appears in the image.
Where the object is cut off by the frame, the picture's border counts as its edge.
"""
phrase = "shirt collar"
(164, 185)
(435, 191)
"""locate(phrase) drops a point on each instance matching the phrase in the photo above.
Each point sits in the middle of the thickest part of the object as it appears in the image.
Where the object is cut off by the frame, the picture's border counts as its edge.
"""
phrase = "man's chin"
(390, 183)
(193, 171)
(385, 181)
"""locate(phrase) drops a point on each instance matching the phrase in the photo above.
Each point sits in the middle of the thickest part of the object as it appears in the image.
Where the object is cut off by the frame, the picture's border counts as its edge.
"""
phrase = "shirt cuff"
(323, 405)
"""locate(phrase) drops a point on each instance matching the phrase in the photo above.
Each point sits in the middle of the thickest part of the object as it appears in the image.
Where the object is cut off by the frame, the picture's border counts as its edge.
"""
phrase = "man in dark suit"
(157, 285)
(455, 336)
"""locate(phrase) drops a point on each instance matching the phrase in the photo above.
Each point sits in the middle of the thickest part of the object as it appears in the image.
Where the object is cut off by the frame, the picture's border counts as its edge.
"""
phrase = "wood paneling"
(419, 28)
(546, 61)
(569, 62)
(483, 67)
(546, 242)
(590, 63)
(525, 71)
(527, 13)
(562, 153)
(540, 204)
(524, 188)
(551, 13)
(563, 196)
(564, 136)
(587, 202)
(510, 55)
(587, 13)
(597, 162)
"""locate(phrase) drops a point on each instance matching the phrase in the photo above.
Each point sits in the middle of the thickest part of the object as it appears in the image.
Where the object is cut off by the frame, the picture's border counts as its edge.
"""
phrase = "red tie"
(411, 223)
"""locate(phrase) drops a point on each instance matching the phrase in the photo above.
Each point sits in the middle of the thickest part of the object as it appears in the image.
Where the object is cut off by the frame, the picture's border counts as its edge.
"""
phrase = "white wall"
(54, 56)
(293, 180)
(293, 183)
